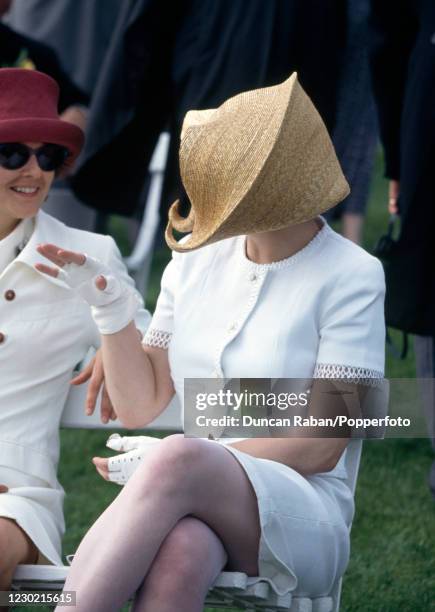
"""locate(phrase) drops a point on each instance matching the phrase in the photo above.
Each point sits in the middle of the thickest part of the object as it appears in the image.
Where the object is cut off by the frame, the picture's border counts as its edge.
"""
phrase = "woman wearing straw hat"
(45, 328)
(260, 288)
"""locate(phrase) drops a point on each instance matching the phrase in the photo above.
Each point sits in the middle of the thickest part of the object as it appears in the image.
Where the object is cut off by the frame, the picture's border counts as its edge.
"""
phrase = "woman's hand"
(102, 466)
(121, 467)
(94, 373)
(77, 115)
(71, 268)
(113, 304)
(3, 488)
(393, 196)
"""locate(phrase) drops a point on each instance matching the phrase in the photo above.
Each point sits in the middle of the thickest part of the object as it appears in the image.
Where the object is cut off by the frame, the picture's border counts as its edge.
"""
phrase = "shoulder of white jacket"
(75, 239)
(348, 256)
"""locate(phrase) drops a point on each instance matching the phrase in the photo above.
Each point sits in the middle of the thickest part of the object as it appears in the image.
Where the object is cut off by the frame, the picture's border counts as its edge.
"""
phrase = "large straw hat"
(28, 111)
(261, 161)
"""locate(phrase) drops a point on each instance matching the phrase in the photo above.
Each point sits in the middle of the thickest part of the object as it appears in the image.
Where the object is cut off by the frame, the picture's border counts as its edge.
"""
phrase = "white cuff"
(157, 338)
(113, 317)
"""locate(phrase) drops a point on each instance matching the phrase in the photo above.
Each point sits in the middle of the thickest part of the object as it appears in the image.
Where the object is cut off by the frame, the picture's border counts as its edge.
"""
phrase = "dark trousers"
(425, 361)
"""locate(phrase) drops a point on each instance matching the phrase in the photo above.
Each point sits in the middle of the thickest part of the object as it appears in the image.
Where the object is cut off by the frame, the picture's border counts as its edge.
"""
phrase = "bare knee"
(170, 468)
(177, 454)
(189, 559)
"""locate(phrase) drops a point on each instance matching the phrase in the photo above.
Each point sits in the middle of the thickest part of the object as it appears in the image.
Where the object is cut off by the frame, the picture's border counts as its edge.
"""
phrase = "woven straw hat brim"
(261, 162)
(249, 123)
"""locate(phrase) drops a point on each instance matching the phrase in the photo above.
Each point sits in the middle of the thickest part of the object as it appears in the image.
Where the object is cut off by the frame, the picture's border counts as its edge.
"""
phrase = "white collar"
(47, 229)
(14, 243)
(300, 255)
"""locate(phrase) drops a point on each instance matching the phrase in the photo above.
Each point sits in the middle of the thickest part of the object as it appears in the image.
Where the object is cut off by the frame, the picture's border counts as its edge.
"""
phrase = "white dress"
(318, 313)
(45, 331)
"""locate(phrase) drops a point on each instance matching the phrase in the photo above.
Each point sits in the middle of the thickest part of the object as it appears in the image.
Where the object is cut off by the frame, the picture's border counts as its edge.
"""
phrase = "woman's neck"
(7, 226)
(276, 245)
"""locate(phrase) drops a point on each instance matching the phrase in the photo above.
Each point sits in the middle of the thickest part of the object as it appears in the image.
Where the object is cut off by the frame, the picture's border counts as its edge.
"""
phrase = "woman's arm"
(310, 450)
(137, 377)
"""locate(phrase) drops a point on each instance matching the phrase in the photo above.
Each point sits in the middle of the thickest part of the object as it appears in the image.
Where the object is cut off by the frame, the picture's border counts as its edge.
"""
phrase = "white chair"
(139, 261)
(231, 589)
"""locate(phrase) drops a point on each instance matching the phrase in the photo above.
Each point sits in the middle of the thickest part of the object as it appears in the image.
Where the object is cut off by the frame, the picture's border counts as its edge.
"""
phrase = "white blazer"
(45, 331)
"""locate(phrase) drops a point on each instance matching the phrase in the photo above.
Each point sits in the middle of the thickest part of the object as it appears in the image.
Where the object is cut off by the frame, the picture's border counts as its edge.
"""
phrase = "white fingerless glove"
(121, 467)
(113, 307)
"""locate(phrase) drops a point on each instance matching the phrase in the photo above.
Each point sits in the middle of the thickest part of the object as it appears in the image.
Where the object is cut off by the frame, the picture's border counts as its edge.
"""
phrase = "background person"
(403, 70)
(20, 51)
(79, 31)
(355, 133)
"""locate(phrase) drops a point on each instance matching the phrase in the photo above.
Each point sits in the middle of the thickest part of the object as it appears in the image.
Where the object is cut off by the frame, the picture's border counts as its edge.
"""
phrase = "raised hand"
(393, 196)
(113, 304)
(88, 276)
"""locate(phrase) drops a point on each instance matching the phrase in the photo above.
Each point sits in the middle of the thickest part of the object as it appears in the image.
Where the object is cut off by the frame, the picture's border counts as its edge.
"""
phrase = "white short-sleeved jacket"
(316, 313)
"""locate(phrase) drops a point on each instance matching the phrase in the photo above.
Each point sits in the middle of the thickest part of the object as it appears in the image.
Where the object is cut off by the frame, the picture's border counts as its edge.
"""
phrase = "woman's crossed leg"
(187, 563)
(183, 478)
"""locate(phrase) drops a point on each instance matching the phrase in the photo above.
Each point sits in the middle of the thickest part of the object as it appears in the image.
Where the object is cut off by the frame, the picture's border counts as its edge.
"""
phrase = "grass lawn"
(392, 565)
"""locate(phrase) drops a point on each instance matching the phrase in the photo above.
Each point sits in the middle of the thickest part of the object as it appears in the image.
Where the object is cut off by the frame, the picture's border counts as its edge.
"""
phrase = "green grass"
(392, 565)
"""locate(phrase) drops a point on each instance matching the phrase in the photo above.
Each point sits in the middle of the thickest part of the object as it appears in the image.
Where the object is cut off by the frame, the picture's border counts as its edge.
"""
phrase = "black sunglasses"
(15, 155)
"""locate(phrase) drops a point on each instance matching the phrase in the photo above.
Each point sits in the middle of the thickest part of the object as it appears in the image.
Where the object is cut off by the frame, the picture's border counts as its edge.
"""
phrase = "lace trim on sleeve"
(157, 338)
(354, 374)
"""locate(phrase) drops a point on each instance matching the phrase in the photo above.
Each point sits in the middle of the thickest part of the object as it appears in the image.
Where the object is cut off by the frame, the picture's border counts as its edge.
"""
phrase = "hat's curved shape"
(262, 161)
(28, 111)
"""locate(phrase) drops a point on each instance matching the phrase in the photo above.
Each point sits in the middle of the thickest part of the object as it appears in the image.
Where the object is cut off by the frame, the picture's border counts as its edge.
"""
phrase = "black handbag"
(386, 246)
(386, 249)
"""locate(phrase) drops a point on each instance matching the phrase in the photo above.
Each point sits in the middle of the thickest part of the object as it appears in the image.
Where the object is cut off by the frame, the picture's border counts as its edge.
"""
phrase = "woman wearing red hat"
(261, 288)
(45, 328)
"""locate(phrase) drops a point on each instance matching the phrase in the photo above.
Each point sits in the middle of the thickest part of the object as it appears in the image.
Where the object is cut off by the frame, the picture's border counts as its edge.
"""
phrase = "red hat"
(28, 111)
